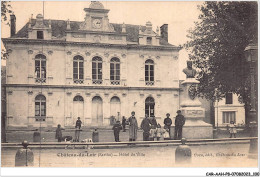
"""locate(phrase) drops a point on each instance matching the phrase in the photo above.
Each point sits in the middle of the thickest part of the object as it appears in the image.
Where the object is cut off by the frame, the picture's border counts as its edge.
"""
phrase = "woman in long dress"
(133, 126)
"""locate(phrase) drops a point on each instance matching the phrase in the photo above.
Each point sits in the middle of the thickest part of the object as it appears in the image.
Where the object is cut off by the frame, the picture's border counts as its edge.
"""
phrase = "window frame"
(98, 68)
(229, 98)
(115, 72)
(40, 35)
(78, 60)
(149, 72)
(149, 40)
(40, 75)
(40, 100)
(226, 119)
(149, 106)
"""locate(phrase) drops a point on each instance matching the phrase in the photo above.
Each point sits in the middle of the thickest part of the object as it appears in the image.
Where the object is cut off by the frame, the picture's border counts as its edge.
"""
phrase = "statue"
(189, 71)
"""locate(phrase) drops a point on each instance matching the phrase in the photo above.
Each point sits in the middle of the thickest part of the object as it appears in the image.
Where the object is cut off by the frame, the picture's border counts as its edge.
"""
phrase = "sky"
(180, 16)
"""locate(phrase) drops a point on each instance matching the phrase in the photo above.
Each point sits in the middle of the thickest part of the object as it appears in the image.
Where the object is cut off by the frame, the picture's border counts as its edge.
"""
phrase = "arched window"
(78, 98)
(115, 107)
(40, 108)
(149, 40)
(40, 68)
(149, 72)
(115, 71)
(78, 69)
(97, 70)
(149, 106)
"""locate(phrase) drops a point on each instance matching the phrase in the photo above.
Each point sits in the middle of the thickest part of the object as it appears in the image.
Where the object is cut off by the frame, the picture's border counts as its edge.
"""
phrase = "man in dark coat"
(179, 122)
(77, 130)
(145, 125)
(58, 134)
(117, 127)
(167, 123)
(123, 123)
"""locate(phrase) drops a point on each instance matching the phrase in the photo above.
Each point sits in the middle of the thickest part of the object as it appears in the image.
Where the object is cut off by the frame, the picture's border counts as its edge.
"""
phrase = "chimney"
(164, 32)
(13, 25)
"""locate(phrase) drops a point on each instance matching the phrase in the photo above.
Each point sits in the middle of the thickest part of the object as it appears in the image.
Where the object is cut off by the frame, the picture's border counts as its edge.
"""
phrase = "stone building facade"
(60, 70)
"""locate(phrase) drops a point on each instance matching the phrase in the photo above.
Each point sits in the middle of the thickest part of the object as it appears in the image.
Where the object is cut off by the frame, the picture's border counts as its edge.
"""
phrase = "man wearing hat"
(179, 122)
(145, 125)
(167, 123)
(133, 126)
(117, 127)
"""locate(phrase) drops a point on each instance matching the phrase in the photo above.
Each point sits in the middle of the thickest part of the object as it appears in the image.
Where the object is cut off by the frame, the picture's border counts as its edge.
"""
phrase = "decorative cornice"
(93, 87)
(66, 43)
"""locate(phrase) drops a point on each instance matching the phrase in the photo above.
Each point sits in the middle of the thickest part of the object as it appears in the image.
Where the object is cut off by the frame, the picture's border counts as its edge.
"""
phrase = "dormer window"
(149, 40)
(39, 34)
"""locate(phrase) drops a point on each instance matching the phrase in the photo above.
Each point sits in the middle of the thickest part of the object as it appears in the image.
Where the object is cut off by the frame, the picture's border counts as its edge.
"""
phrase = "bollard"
(36, 136)
(183, 153)
(24, 156)
(95, 136)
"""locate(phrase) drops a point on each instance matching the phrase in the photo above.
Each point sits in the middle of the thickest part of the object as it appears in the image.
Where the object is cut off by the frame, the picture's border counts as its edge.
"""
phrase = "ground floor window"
(149, 106)
(40, 108)
(229, 116)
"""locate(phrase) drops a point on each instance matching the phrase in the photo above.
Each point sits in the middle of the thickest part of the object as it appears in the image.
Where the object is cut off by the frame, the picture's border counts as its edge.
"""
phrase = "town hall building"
(58, 70)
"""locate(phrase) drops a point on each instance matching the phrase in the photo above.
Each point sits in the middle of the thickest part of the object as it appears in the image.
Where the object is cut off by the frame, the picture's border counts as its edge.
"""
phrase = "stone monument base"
(198, 132)
(203, 131)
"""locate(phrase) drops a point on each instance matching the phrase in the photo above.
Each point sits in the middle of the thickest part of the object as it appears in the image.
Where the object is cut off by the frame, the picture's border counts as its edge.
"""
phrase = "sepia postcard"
(129, 84)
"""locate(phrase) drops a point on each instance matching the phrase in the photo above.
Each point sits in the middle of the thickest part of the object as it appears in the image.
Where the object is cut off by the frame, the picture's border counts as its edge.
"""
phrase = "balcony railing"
(40, 80)
(97, 81)
(115, 82)
(40, 118)
(78, 81)
(149, 83)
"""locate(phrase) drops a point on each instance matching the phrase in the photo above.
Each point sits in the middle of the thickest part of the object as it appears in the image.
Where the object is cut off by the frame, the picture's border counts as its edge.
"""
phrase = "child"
(58, 133)
(232, 129)
(152, 133)
(159, 132)
(117, 127)
(166, 134)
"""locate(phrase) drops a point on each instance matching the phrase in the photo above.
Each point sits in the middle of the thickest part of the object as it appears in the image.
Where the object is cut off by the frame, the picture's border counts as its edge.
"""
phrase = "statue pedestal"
(195, 127)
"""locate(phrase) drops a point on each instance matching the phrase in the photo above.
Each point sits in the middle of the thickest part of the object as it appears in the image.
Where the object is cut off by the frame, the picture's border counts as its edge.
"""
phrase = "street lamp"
(251, 57)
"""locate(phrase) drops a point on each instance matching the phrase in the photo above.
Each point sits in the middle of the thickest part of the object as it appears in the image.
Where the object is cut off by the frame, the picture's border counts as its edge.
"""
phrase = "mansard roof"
(58, 28)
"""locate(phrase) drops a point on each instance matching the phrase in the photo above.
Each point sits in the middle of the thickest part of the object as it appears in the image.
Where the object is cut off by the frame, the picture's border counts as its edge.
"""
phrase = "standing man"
(78, 129)
(117, 127)
(167, 123)
(179, 122)
(123, 123)
(133, 126)
(145, 125)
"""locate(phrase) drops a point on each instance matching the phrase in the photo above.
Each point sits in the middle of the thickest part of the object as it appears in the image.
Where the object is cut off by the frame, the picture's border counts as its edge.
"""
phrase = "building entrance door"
(115, 108)
(78, 110)
(97, 111)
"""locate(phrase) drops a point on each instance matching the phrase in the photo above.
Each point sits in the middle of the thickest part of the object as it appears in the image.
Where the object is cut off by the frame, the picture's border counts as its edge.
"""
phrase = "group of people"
(151, 129)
